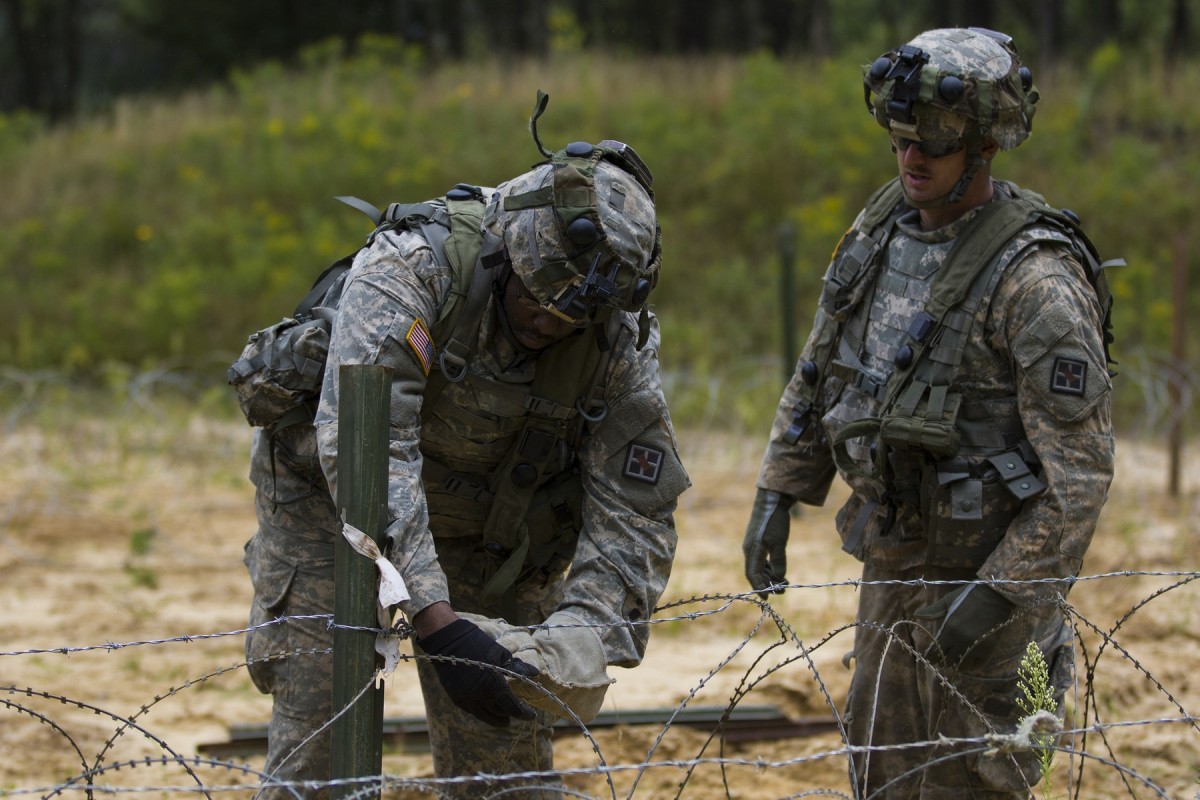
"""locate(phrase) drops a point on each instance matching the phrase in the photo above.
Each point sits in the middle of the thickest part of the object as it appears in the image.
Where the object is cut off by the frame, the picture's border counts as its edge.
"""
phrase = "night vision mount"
(597, 282)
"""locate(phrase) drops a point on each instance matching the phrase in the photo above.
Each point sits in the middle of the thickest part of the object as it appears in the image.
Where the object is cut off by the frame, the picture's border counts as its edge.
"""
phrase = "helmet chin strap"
(503, 275)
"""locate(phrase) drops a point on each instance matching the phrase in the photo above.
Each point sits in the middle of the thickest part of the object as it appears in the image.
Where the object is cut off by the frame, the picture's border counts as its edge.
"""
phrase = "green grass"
(162, 233)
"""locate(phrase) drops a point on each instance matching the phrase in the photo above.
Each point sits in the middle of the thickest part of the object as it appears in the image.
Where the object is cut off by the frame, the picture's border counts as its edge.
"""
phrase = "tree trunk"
(28, 68)
(1179, 34)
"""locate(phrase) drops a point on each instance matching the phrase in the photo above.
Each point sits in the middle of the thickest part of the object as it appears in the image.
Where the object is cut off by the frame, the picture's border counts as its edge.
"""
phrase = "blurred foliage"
(167, 230)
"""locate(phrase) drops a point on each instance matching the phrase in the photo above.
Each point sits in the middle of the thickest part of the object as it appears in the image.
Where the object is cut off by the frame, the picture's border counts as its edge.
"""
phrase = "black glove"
(765, 544)
(478, 690)
(970, 613)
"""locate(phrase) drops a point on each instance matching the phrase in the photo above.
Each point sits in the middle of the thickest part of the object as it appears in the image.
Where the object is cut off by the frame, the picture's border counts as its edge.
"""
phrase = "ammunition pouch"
(968, 504)
(923, 417)
(544, 540)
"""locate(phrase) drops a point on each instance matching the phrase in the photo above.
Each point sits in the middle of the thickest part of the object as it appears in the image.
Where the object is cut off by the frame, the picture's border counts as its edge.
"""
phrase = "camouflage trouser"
(299, 684)
(462, 745)
(896, 699)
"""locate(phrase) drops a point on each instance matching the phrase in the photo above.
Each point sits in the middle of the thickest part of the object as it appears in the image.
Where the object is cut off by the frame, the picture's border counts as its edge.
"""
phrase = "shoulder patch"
(1063, 362)
(1069, 376)
(643, 463)
(421, 342)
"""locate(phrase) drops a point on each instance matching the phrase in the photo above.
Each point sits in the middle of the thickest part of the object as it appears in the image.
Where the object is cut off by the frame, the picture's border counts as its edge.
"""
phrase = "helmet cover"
(581, 231)
(953, 83)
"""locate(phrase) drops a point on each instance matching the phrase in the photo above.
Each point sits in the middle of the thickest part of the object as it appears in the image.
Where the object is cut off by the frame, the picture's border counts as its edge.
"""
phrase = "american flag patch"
(421, 343)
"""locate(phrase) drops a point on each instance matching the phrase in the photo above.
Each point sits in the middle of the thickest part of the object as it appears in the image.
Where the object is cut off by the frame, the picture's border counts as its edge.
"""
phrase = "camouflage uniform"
(610, 499)
(1003, 373)
(951, 518)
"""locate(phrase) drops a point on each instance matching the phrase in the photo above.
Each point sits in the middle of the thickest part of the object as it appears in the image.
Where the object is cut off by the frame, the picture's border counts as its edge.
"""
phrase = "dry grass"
(129, 528)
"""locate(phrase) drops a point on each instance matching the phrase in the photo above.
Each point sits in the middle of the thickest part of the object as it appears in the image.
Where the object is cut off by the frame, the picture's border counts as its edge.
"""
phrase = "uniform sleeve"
(798, 461)
(1046, 317)
(632, 478)
(391, 298)
(802, 469)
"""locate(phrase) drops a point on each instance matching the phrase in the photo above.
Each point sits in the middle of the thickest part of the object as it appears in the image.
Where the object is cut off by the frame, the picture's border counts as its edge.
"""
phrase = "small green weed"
(1033, 679)
(140, 542)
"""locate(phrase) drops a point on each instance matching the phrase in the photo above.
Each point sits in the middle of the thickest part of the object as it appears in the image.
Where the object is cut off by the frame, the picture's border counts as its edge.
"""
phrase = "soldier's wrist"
(433, 618)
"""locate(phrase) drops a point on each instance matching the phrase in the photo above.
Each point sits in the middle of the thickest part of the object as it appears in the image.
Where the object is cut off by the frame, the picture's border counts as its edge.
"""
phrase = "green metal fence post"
(787, 295)
(357, 746)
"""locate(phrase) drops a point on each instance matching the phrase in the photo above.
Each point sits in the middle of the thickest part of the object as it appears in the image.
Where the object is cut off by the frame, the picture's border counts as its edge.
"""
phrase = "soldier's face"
(532, 325)
(927, 178)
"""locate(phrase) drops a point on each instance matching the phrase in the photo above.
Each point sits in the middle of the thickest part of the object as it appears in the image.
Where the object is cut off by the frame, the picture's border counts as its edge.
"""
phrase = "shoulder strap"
(966, 266)
(851, 273)
(322, 285)
(857, 254)
(1068, 222)
(469, 249)
(996, 225)
(453, 227)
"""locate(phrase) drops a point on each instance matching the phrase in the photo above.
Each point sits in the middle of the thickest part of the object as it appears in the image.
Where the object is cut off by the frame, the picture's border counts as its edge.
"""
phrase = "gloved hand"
(765, 543)
(967, 614)
(570, 657)
(478, 690)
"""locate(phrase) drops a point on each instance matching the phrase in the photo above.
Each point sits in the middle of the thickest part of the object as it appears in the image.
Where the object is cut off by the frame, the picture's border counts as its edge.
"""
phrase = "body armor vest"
(499, 449)
(937, 468)
(867, 349)
(498, 454)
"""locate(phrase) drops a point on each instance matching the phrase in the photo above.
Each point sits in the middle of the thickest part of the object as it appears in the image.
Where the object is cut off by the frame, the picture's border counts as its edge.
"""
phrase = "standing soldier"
(956, 378)
(533, 470)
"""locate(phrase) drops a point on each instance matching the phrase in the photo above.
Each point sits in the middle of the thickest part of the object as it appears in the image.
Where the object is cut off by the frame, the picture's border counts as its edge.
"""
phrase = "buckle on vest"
(459, 370)
(859, 379)
(496, 550)
(921, 326)
(461, 486)
(547, 409)
(1017, 476)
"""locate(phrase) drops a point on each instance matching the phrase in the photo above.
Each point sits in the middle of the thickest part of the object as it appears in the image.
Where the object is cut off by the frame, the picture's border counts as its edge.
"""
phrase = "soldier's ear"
(990, 148)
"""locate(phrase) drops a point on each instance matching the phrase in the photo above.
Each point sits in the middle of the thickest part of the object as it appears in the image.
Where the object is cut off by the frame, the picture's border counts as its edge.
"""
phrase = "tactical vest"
(500, 457)
(521, 489)
(927, 458)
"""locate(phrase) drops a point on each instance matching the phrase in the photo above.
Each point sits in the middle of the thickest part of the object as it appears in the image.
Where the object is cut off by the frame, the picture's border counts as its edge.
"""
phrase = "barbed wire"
(768, 648)
(59, 713)
(726, 601)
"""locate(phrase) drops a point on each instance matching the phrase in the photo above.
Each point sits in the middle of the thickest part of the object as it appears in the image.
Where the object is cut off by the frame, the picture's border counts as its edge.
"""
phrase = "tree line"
(60, 58)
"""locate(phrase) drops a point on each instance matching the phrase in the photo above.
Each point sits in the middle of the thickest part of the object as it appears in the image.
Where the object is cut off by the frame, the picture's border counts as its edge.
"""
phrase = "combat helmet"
(580, 229)
(964, 84)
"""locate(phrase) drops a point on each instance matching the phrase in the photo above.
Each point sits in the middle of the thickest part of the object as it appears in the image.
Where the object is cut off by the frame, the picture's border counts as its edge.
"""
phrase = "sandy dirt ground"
(123, 599)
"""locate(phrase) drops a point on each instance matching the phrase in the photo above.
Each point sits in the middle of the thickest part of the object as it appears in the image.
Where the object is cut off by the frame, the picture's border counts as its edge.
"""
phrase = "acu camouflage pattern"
(1009, 381)
(996, 102)
(898, 295)
(290, 561)
(618, 559)
(896, 700)
(1006, 380)
(539, 237)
